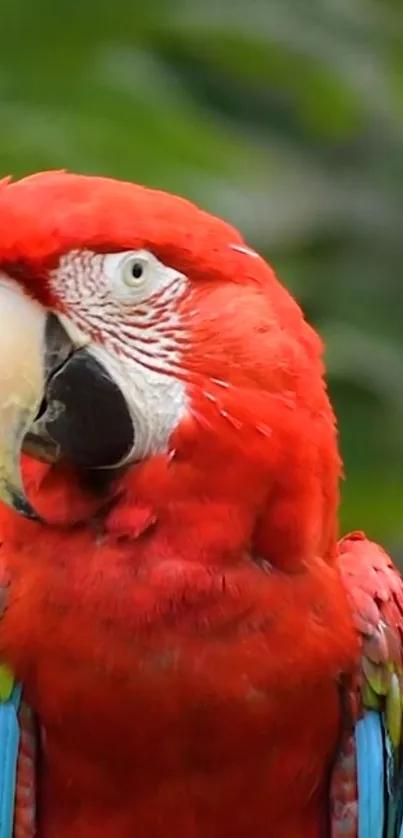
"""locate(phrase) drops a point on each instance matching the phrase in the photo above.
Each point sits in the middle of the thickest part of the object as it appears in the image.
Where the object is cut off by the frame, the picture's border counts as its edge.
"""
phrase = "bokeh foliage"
(285, 116)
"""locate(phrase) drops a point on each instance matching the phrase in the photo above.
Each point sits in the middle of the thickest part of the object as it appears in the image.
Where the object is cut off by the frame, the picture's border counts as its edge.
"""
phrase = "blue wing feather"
(9, 744)
(371, 783)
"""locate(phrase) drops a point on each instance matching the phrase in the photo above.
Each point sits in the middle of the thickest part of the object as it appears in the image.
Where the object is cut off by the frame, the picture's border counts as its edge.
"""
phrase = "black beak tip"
(22, 506)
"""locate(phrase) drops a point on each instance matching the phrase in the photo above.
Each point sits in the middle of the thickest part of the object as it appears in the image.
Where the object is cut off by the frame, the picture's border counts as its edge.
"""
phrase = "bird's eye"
(134, 271)
(136, 275)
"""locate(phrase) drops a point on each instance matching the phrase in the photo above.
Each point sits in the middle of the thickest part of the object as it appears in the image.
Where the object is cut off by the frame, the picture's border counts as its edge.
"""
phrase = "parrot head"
(143, 342)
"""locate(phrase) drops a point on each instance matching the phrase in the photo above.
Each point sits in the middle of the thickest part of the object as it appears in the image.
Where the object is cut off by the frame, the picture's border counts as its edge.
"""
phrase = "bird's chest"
(110, 663)
(174, 703)
(178, 749)
(162, 733)
(166, 705)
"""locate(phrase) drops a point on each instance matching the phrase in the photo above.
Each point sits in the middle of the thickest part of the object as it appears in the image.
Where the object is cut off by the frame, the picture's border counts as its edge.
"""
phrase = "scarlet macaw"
(200, 656)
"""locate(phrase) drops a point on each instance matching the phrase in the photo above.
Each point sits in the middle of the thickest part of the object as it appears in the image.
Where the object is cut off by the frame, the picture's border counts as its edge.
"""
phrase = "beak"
(22, 332)
(57, 402)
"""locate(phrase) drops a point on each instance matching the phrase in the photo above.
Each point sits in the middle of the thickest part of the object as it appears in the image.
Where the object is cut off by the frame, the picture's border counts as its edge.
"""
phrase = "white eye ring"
(134, 271)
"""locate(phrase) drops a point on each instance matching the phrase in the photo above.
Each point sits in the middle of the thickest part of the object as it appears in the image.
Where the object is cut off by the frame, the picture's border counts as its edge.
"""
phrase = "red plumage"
(186, 648)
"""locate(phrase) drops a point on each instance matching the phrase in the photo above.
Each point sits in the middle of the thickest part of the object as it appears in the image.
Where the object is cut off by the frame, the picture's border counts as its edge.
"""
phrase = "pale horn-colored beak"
(22, 381)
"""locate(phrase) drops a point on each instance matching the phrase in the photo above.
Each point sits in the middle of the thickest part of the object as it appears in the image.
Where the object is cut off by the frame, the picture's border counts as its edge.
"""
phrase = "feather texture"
(372, 768)
(193, 644)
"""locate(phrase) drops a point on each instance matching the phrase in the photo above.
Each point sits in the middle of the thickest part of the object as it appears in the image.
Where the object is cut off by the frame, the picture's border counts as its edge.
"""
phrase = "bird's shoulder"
(367, 787)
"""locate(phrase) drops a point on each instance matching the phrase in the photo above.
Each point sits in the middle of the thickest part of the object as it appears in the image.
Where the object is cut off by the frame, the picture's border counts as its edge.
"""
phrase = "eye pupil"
(137, 270)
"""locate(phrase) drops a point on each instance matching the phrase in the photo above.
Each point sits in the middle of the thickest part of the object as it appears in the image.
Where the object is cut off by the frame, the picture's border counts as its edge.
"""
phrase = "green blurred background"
(284, 116)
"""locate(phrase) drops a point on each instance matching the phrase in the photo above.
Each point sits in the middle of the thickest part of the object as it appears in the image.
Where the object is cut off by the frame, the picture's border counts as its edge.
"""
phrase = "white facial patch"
(123, 306)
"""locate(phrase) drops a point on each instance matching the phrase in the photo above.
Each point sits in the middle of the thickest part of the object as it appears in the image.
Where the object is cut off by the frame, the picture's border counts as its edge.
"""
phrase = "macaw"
(199, 656)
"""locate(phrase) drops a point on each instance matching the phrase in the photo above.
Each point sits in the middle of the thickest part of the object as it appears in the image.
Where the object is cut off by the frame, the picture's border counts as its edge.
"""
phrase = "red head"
(216, 377)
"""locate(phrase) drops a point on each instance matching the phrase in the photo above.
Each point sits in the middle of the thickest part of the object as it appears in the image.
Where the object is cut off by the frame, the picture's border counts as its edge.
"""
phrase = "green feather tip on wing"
(383, 691)
(371, 699)
(393, 711)
(6, 683)
(377, 676)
